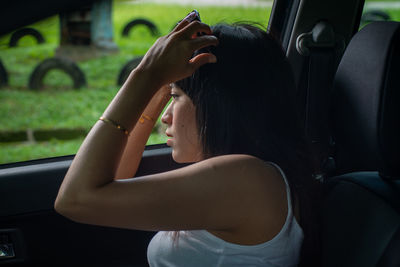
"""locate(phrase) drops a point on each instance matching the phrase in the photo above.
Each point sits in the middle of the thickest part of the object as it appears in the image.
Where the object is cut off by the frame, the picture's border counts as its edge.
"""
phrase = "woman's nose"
(167, 116)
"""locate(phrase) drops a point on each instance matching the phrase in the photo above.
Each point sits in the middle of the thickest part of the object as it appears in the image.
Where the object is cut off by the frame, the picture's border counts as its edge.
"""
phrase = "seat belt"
(321, 47)
(320, 77)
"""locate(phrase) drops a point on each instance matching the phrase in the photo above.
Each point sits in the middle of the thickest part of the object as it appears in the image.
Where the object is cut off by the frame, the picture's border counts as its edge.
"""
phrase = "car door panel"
(40, 236)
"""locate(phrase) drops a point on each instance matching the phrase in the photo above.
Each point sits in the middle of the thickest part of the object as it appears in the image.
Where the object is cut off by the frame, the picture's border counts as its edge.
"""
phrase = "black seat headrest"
(366, 102)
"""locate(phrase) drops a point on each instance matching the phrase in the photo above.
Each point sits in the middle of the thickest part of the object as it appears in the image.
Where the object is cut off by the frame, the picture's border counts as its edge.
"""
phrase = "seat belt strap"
(320, 45)
(319, 85)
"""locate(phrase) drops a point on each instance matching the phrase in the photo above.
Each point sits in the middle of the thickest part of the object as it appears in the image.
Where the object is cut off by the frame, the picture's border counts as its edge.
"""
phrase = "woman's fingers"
(203, 41)
(184, 22)
(197, 42)
(193, 28)
(200, 60)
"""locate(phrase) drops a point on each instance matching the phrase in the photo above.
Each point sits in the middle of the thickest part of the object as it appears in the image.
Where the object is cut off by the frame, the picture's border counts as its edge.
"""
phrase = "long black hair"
(245, 105)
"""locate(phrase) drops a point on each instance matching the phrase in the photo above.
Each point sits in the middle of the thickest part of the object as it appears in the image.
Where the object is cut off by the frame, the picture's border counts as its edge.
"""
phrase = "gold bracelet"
(116, 125)
(143, 117)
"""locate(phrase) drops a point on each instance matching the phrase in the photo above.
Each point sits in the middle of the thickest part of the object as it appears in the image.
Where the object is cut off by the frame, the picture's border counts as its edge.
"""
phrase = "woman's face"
(180, 117)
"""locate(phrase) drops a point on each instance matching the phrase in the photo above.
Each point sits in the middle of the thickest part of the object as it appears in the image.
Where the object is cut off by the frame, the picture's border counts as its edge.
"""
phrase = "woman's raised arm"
(137, 139)
(169, 59)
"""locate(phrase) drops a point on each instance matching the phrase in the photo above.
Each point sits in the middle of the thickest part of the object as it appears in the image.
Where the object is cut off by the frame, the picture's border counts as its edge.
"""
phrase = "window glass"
(42, 114)
(379, 10)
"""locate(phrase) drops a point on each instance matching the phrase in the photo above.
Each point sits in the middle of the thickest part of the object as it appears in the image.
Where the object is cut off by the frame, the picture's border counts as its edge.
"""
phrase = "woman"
(232, 116)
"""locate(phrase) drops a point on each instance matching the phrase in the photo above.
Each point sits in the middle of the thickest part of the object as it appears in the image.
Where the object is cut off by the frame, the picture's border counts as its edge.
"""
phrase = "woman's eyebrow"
(175, 87)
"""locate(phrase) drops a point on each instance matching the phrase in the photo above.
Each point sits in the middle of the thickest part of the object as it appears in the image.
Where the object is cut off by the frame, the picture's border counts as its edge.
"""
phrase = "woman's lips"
(169, 141)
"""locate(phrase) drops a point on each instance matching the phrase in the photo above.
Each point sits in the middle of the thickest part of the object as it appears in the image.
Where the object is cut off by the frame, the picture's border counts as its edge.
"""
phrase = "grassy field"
(60, 106)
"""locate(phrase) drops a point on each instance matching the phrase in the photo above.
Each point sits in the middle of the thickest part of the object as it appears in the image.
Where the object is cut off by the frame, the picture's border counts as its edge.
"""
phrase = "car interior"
(349, 97)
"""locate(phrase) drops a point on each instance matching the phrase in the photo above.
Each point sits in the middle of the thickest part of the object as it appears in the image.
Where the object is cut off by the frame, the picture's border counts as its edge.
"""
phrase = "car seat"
(361, 208)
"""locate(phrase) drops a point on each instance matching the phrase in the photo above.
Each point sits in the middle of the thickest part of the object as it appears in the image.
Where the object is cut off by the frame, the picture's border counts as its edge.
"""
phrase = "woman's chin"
(176, 158)
(179, 158)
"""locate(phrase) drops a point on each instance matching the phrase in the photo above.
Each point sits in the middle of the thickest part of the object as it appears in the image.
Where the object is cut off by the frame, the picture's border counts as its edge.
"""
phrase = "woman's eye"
(174, 96)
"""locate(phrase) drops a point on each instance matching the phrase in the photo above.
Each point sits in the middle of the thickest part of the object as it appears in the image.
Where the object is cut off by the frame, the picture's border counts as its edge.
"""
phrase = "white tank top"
(201, 248)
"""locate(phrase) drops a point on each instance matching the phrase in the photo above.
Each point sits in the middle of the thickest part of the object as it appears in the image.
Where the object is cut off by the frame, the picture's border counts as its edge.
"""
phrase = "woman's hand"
(170, 58)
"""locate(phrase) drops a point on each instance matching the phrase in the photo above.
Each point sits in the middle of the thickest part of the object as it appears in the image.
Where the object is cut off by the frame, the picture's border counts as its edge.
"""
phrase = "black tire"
(374, 15)
(150, 25)
(127, 68)
(66, 65)
(3, 75)
(17, 35)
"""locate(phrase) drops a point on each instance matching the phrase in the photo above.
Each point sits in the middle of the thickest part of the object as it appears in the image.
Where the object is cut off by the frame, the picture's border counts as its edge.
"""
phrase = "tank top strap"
(288, 194)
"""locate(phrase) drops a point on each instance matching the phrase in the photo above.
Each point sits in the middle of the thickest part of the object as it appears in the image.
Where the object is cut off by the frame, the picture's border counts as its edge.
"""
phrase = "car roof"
(18, 13)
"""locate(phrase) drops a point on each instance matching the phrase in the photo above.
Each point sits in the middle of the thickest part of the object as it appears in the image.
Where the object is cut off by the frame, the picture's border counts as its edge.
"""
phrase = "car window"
(380, 10)
(59, 74)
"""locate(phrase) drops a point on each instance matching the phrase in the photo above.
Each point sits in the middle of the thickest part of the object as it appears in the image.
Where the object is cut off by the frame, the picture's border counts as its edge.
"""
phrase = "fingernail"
(191, 15)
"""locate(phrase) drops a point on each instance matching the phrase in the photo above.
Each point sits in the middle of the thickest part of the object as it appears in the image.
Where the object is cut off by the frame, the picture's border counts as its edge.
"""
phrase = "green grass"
(16, 152)
(60, 106)
(49, 110)
(393, 13)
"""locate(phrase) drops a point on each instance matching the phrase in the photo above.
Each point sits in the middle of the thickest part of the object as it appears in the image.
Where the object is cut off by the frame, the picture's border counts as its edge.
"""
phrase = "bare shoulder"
(260, 183)
(262, 192)
(245, 167)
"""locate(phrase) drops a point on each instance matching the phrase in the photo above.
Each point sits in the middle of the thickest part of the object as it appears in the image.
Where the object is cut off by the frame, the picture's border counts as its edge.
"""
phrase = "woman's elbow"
(67, 207)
